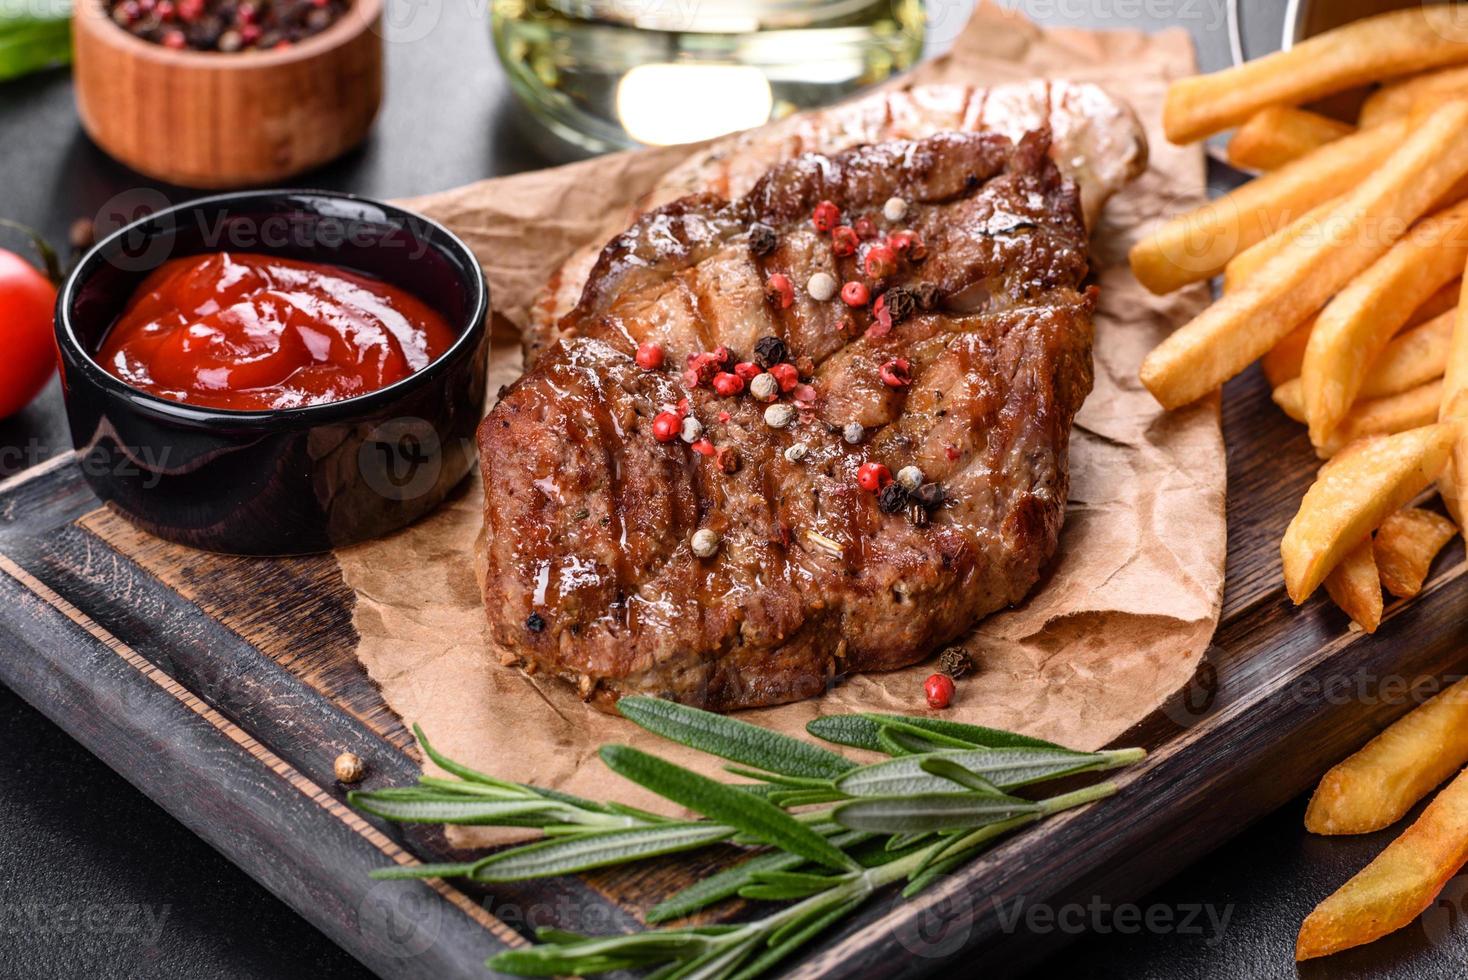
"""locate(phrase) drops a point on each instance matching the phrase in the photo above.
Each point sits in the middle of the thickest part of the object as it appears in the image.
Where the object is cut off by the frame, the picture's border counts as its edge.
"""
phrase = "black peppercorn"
(892, 498)
(762, 239)
(917, 514)
(930, 495)
(900, 303)
(927, 295)
(769, 351)
(955, 662)
(534, 623)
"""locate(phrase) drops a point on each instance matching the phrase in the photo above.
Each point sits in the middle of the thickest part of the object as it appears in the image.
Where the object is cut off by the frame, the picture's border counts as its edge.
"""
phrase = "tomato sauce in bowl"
(248, 332)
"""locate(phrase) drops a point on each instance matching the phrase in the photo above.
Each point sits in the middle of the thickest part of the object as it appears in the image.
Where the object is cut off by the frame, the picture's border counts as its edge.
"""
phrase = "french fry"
(1384, 416)
(1355, 587)
(1375, 788)
(1290, 398)
(1395, 888)
(1454, 483)
(1317, 224)
(1410, 409)
(1352, 496)
(1437, 304)
(1412, 358)
(1277, 134)
(1282, 362)
(1198, 245)
(1239, 328)
(1399, 98)
(1367, 50)
(1406, 544)
(1354, 326)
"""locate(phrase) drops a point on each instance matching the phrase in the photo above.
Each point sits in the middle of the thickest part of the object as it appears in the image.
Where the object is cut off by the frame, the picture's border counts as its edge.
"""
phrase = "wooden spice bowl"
(216, 120)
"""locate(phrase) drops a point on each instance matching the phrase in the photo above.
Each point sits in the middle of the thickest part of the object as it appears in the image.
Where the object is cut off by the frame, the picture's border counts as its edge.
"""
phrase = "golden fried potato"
(1282, 362)
(1278, 134)
(1198, 245)
(1352, 495)
(1358, 323)
(1354, 586)
(1406, 544)
(1239, 328)
(1368, 50)
(1383, 416)
(1375, 787)
(1395, 888)
(1290, 397)
(1412, 358)
(1318, 224)
(1397, 100)
(1454, 483)
(1437, 304)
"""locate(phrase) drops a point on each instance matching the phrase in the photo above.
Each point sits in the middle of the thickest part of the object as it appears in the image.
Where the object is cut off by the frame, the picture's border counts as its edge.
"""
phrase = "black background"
(85, 860)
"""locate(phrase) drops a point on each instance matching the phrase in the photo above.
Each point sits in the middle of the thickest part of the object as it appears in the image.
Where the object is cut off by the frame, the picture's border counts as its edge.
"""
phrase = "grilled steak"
(821, 566)
(1095, 140)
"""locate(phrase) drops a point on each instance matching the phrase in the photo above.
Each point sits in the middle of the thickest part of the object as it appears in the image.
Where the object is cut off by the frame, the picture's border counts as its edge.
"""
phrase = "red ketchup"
(249, 332)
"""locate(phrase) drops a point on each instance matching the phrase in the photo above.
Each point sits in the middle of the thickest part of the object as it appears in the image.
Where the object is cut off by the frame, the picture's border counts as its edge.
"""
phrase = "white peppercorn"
(910, 477)
(779, 415)
(796, 452)
(705, 542)
(692, 429)
(764, 387)
(853, 433)
(895, 209)
(821, 286)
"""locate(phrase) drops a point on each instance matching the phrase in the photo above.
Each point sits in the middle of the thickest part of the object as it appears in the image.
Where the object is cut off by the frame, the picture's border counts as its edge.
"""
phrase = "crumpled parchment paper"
(1120, 622)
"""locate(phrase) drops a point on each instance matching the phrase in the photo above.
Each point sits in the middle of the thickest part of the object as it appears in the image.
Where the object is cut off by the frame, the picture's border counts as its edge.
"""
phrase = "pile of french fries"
(1343, 275)
(1343, 269)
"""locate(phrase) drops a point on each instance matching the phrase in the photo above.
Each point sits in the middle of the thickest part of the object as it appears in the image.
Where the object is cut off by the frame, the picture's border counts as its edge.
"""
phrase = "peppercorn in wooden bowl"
(225, 118)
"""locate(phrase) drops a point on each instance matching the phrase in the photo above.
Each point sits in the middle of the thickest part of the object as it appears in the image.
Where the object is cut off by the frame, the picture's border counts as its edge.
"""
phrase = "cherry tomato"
(27, 302)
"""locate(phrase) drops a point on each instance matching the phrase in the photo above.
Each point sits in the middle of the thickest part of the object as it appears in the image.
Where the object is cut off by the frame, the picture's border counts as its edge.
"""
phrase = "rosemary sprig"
(941, 798)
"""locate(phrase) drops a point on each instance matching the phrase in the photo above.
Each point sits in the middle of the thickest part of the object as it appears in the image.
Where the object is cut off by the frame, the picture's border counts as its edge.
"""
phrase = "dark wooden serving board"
(224, 688)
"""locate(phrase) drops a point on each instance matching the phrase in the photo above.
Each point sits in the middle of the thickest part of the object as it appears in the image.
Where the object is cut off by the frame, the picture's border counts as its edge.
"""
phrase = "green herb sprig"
(940, 798)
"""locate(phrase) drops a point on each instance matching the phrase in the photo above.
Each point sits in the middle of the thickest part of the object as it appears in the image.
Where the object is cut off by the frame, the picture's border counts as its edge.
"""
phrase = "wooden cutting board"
(224, 688)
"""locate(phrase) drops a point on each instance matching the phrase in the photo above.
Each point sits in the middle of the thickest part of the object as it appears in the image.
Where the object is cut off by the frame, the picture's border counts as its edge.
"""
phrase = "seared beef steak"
(588, 564)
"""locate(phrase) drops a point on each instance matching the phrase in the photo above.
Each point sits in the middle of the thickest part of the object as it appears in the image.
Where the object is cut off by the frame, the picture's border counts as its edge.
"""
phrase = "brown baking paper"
(1118, 624)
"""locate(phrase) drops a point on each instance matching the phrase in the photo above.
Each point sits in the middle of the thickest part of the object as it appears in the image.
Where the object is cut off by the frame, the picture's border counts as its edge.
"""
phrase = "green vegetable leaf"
(568, 855)
(603, 954)
(749, 814)
(725, 884)
(860, 731)
(1004, 768)
(461, 811)
(954, 773)
(795, 934)
(931, 811)
(737, 741)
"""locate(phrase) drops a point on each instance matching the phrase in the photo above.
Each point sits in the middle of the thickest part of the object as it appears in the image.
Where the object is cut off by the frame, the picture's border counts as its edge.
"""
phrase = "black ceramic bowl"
(298, 480)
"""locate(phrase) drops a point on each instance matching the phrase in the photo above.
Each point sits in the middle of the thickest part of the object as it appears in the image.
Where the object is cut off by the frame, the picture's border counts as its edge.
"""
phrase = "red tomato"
(27, 302)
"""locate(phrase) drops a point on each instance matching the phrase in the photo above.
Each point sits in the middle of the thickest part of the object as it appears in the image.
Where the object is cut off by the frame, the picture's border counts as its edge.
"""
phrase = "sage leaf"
(568, 855)
(737, 741)
(743, 811)
(1004, 768)
(933, 811)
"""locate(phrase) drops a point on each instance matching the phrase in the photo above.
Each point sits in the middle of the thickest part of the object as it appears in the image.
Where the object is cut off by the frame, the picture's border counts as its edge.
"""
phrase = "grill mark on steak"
(998, 371)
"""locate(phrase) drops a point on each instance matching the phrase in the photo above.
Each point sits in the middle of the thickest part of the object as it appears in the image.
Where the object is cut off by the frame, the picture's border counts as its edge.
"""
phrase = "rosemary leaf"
(394, 872)
(737, 741)
(581, 957)
(979, 735)
(568, 855)
(932, 811)
(747, 813)
(954, 773)
(460, 811)
(791, 937)
(1004, 768)
(801, 782)
(725, 884)
(458, 769)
